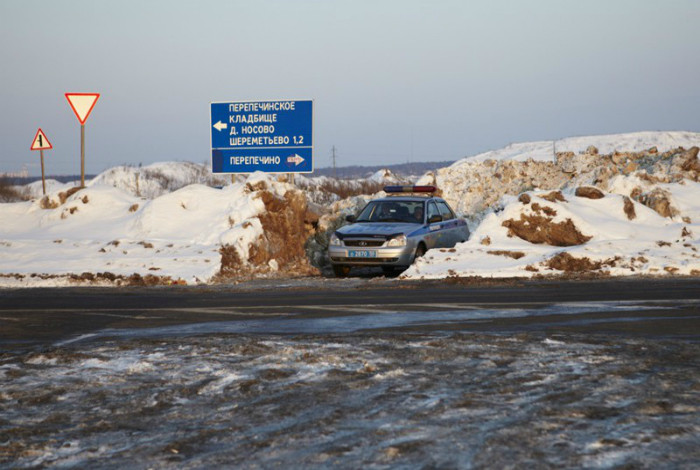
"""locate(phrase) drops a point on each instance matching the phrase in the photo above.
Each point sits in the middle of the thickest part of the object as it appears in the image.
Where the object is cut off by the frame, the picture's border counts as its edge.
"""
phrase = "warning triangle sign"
(40, 141)
(82, 104)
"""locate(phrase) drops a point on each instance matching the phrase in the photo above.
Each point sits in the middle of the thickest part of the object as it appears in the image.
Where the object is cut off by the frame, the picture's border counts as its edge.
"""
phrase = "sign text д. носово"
(268, 136)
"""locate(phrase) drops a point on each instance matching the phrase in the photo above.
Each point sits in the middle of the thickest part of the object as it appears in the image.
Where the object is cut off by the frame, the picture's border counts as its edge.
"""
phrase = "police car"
(392, 232)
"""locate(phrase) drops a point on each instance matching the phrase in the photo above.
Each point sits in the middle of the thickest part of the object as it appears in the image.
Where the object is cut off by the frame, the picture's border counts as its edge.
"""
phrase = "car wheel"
(341, 271)
(420, 251)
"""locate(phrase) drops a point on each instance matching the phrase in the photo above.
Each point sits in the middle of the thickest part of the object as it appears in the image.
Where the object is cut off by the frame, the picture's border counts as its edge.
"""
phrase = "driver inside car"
(418, 214)
(385, 211)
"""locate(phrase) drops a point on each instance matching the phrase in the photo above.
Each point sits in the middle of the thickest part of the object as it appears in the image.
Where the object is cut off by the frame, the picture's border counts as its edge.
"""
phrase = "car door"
(449, 225)
(435, 235)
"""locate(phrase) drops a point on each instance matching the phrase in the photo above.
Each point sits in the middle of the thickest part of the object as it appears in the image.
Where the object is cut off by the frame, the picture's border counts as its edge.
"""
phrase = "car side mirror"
(350, 218)
(434, 219)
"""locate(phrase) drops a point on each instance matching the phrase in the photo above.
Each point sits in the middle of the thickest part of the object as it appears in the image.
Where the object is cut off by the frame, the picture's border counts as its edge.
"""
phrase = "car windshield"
(393, 211)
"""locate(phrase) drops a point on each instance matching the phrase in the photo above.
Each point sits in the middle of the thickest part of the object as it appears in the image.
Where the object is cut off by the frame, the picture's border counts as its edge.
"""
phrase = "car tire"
(341, 271)
(420, 251)
(388, 270)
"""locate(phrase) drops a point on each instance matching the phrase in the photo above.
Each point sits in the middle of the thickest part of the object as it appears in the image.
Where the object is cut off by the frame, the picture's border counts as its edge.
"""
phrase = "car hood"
(383, 229)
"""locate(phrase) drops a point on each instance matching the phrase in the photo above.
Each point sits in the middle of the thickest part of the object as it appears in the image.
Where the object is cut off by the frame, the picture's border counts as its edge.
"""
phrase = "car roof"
(408, 198)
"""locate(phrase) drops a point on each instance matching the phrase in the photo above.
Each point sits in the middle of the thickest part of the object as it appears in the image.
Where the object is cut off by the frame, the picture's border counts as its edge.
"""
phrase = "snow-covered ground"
(225, 398)
(654, 174)
(180, 223)
(105, 229)
(647, 244)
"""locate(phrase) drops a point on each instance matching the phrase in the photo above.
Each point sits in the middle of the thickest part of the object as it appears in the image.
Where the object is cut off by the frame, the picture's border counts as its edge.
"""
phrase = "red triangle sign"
(82, 104)
(40, 141)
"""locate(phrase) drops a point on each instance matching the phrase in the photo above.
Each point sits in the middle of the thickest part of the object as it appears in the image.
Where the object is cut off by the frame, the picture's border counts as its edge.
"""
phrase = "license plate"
(362, 253)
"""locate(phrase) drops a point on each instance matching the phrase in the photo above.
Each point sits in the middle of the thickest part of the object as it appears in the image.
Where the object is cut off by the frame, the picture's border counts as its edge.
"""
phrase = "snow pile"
(148, 181)
(192, 234)
(325, 191)
(551, 232)
(545, 208)
(475, 184)
(159, 178)
(35, 189)
(547, 150)
(384, 176)
(617, 205)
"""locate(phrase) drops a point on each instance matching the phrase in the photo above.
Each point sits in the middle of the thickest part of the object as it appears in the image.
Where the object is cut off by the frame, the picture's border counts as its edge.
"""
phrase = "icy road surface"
(363, 391)
(446, 400)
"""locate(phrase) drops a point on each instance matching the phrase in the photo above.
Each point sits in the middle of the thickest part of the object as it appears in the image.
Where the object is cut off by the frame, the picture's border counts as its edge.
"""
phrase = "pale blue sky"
(439, 79)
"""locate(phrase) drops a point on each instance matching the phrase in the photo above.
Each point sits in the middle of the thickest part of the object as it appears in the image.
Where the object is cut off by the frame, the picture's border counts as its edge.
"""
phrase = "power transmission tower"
(335, 173)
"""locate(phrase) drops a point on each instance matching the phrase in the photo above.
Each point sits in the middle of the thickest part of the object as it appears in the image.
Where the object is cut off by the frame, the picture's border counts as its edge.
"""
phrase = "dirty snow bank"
(323, 190)
(546, 233)
(192, 234)
(547, 150)
(618, 205)
(475, 184)
(165, 223)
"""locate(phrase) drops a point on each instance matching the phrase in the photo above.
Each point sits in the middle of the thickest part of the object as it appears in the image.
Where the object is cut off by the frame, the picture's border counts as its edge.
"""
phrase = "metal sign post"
(43, 178)
(268, 136)
(82, 104)
(41, 143)
(82, 155)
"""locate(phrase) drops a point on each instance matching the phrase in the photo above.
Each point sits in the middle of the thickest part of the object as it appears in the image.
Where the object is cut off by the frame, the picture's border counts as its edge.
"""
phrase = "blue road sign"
(269, 136)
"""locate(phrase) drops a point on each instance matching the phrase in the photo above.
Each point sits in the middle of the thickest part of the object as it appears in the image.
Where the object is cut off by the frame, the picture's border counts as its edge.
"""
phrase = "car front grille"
(363, 243)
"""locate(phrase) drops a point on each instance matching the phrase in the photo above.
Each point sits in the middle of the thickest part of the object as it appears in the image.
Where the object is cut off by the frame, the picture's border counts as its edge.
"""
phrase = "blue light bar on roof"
(410, 189)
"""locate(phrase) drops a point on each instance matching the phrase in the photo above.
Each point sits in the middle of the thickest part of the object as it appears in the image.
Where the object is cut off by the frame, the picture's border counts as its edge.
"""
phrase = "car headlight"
(397, 241)
(335, 241)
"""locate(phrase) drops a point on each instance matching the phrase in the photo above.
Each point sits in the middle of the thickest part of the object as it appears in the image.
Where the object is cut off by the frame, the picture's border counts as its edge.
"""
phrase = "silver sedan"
(392, 232)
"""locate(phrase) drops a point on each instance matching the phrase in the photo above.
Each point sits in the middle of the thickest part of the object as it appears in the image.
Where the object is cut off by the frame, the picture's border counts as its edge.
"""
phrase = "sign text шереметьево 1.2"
(268, 136)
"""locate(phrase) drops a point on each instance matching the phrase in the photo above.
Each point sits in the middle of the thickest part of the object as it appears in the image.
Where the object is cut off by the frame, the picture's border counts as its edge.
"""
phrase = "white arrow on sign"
(219, 126)
(296, 159)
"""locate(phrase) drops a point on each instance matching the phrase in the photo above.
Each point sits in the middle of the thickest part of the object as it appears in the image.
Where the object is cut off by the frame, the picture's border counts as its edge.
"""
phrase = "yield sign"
(82, 104)
(40, 141)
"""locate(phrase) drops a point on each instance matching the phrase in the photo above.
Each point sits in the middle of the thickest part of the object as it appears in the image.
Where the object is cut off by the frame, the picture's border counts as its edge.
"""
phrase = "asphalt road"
(39, 318)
